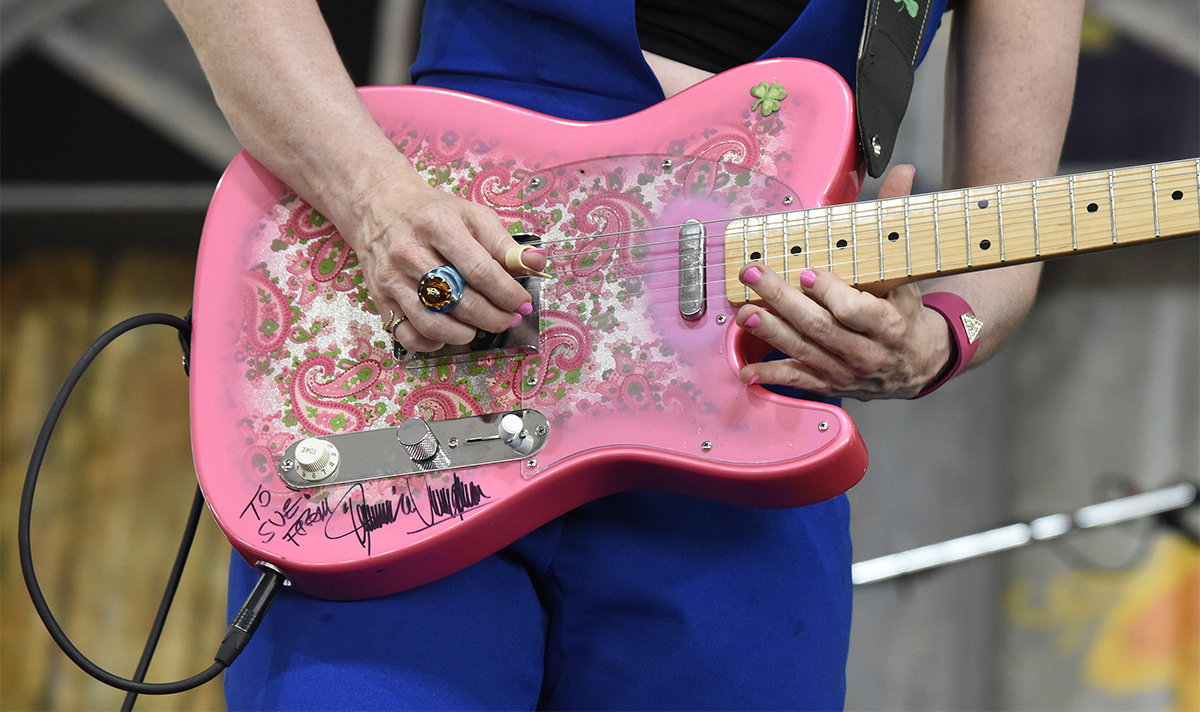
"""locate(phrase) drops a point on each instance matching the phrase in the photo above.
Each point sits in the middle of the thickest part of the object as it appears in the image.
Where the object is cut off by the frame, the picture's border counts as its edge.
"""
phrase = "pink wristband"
(963, 324)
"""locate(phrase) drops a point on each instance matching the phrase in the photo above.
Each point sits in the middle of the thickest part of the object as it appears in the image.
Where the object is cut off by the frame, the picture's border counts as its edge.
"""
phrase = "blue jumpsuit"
(637, 601)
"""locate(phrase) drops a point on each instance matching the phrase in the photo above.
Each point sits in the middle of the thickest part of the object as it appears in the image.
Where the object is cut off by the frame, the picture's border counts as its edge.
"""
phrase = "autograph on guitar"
(359, 469)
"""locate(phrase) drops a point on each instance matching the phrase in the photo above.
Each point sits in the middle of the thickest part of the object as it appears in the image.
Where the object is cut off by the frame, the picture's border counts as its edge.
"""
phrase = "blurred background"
(110, 146)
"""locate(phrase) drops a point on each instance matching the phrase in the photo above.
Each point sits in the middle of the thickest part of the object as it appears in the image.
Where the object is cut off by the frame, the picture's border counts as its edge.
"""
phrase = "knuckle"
(866, 363)
(478, 272)
(821, 330)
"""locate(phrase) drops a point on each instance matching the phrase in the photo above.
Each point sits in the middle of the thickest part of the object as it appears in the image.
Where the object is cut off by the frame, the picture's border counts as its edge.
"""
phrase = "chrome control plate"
(464, 443)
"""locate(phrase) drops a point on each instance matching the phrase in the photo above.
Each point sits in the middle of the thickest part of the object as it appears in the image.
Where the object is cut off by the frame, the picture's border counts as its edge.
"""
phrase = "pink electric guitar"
(359, 469)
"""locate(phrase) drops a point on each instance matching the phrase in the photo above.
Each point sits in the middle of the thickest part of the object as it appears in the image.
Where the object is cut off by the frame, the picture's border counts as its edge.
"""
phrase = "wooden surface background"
(115, 487)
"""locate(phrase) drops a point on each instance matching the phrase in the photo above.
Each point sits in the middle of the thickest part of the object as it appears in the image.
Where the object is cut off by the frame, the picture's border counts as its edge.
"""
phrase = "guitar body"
(633, 394)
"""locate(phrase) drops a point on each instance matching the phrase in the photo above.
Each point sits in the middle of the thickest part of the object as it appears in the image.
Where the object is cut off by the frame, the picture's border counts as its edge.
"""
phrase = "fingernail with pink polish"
(751, 275)
(517, 319)
(538, 250)
(525, 309)
(752, 381)
(808, 278)
(752, 321)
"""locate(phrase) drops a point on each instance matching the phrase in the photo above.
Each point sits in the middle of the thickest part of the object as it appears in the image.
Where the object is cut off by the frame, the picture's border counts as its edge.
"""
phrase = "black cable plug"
(251, 614)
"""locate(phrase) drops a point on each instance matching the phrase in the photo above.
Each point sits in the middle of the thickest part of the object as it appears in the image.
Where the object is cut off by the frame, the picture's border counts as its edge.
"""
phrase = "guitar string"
(834, 221)
(949, 196)
(924, 261)
(867, 213)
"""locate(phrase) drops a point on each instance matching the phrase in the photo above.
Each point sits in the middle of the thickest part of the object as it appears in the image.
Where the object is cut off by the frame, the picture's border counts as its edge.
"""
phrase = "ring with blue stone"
(441, 288)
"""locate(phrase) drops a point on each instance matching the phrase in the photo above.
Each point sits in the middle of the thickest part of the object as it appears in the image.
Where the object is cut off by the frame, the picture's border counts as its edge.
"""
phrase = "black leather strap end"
(887, 60)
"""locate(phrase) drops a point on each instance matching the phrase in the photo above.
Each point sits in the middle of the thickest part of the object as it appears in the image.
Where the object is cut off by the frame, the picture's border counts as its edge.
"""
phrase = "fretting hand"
(404, 231)
(841, 341)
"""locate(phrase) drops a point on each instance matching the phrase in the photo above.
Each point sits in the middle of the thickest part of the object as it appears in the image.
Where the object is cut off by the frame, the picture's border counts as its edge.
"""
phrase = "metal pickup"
(691, 270)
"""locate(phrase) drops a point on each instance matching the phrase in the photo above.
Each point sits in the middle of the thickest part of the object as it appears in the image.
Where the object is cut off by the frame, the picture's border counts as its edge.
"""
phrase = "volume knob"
(418, 440)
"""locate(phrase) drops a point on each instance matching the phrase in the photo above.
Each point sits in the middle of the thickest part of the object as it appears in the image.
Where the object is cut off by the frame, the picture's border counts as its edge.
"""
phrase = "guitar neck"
(879, 244)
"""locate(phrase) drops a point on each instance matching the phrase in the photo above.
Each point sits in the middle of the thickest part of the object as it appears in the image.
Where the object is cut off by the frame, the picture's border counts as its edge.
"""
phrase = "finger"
(807, 356)
(407, 335)
(856, 310)
(520, 258)
(472, 311)
(394, 290)
(481, 259)
(402, 329)
(808, 316)
(898, 182)
(785, 372)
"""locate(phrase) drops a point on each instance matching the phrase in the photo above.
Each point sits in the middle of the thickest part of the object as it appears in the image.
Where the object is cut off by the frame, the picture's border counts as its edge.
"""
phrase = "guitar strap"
(887, 59)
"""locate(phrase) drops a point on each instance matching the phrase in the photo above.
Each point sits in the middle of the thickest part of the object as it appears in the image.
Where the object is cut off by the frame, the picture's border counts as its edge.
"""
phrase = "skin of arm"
(1009, 86)
(278, 78)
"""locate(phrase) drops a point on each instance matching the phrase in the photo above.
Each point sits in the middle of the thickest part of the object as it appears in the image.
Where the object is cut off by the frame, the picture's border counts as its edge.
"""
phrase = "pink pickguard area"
(287, 345)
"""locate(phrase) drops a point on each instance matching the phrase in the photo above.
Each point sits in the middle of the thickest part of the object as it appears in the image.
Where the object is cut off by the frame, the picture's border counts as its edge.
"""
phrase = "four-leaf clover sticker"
(910, 5)
(768, 97)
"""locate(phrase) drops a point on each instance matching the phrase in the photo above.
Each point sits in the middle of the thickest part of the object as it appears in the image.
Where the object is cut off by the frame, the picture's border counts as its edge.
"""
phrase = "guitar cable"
(244, 623)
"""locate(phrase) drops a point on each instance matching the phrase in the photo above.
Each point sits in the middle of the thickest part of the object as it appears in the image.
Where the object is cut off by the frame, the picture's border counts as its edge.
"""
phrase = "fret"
(967, 229)
(868, 262)
(1154, 192)
(745, 254)
(953, 243)
(907, 240)
(735, 291)
(1074, 232)
(774, 245)
(807, 248)
(920, 226)
(733, 285)
(1092, 207)
(1178, 198)
(787, 250)
(841, 233)
(983, 206)
(819, 252)
(937, 237)
(879, 226)
(829, 237)
(895, 260)
(1056, 218)
(1037, 241)
(1018, 222)
(1000, 217)
(1112, 206)
(1135, 214)
(854, 241)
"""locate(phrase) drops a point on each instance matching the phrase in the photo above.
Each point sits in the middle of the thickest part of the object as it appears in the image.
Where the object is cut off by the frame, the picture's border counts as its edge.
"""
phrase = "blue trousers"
(637, 601)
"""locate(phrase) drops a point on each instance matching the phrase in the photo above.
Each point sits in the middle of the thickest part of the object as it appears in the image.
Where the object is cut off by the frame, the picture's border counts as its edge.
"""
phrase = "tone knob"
(418, 440)
(316, 458)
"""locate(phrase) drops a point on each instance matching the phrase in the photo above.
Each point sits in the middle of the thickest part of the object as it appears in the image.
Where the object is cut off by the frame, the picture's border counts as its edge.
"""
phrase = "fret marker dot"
(841, 243)
(893, 236)
(985, 244)
(1092, 207)
(1177, 195)
(756, 255)
(795, 250)
(983, 204)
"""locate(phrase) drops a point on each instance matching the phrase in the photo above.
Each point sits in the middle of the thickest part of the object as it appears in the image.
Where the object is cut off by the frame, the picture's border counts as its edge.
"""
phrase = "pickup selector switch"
(514, 434)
